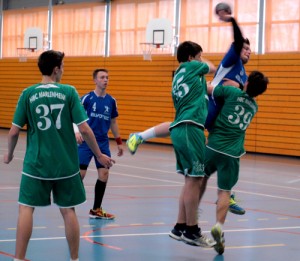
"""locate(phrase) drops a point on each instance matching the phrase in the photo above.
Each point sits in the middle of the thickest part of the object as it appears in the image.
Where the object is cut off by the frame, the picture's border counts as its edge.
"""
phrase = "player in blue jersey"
(231, 68)
(231, 71)
(102, 111)
(50, 167)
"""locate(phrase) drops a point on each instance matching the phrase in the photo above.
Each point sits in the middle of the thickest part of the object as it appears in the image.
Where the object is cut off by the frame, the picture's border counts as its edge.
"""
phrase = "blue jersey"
(231, 67)
(100, 111)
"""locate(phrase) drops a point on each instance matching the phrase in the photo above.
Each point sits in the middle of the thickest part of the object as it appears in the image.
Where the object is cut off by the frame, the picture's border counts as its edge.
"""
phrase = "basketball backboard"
(33, 38)
(159, 32)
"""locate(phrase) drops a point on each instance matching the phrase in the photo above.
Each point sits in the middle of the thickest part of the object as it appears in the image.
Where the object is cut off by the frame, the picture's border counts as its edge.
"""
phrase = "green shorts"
(227, 168)
(189, 145)
(68, 192)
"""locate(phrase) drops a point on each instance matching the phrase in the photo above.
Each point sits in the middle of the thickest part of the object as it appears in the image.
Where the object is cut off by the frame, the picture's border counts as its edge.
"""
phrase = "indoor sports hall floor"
(143, 192)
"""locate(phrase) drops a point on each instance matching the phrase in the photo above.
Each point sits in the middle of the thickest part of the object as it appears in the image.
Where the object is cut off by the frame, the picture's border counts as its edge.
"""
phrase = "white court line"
(155, 234)
(212, 187)
(179, 184)
(173, 172)
(293, 181)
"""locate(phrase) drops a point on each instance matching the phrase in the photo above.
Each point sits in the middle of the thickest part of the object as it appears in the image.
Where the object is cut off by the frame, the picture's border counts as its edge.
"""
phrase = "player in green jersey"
(51, 163)
(225, 143)
(187, 134)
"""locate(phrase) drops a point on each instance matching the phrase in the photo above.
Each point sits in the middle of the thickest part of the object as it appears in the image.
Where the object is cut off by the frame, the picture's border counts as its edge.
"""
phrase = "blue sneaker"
(133, 142)
(234, 207)
(218, 236)
(176, 234)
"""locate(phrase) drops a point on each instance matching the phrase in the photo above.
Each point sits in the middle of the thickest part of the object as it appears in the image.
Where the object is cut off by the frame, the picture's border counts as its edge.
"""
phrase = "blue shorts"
(85, 154)
(214, 107)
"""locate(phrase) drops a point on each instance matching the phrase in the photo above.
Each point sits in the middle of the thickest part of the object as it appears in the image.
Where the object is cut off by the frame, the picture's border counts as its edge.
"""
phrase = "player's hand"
(106, 161)
(79, 138)
(120, 150)
(7, 159)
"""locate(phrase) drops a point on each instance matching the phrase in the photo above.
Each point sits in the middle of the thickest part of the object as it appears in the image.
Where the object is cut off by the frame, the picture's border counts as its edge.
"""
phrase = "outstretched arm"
(238, 37)
(237, 33)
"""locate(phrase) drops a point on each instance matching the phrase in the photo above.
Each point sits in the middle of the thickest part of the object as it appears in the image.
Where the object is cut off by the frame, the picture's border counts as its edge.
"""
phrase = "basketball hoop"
(147, 50)
(23, 53)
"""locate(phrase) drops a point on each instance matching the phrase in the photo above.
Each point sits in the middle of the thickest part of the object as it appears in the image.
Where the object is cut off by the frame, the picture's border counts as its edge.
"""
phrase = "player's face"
(101, 80)
(245, 53)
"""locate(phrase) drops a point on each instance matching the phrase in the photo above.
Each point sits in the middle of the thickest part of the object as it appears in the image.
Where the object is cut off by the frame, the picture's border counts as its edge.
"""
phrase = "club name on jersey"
(243, 100)
(38, 95)
(100, 116)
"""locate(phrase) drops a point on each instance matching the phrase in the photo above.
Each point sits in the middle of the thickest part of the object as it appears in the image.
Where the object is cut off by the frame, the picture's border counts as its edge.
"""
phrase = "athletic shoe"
(99, 213)
(133, 142)
(234, 207)
(197, 239)
(176, 234)
(218, 236)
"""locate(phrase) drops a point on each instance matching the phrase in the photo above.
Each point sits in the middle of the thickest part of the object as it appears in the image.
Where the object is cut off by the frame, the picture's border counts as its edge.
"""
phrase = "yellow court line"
(254, 246)
(257, 246)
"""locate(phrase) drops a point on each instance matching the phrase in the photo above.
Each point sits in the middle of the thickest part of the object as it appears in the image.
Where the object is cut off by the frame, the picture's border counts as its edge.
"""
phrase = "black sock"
(99, 193)
(180, 226)
(193, 229)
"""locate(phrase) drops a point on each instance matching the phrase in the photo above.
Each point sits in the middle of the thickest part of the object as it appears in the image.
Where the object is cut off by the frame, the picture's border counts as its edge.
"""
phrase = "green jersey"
(227, 135)
(49, 111)
(189, 93)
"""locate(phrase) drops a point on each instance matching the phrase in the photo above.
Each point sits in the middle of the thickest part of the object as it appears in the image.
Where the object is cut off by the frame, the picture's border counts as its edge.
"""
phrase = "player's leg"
(217, 229)
(135, 139)
(97, 212)
(72, 231)
(228, 171)
(28, 200)
(100, 186)
(180, 226)
(66, 202)
(24, 230)
(85, 155)
(190, 140)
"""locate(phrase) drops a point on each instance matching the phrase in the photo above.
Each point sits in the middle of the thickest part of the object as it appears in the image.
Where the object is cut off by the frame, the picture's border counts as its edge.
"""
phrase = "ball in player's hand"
(223, 6)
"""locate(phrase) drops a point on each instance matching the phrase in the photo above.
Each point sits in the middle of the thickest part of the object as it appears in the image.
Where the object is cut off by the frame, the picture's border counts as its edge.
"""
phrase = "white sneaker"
(198, 240)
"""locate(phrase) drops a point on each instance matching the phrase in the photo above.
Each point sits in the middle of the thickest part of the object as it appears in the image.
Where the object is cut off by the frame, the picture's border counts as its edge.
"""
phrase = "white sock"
(74, 259)
(16, 259)
(219, 225)
(148, 134)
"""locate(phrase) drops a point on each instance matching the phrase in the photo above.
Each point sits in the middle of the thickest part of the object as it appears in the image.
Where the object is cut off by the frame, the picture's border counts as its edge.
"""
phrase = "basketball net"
(23, 53)
(147, 51)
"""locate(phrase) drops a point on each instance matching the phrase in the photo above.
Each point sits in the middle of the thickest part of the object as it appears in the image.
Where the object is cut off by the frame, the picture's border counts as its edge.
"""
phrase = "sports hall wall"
(142, 89)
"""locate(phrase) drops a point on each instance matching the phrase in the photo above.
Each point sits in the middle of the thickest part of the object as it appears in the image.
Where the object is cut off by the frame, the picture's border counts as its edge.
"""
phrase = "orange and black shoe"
(99, 213)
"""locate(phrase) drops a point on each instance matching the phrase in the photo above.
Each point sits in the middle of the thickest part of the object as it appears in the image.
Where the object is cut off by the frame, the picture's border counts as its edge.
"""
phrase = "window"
(79, 29)
(129, 19)
(282, 20)
(200, 24)
(15, 23)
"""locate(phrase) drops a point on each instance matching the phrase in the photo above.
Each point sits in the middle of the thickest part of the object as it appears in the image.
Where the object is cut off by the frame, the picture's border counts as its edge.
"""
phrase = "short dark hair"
(98, 70)
(187, 49)
(257, 84)
(48, 60)
(246, 41)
